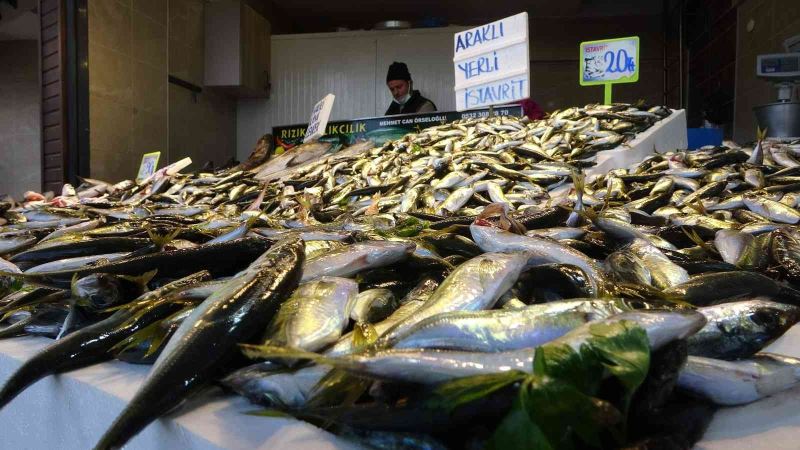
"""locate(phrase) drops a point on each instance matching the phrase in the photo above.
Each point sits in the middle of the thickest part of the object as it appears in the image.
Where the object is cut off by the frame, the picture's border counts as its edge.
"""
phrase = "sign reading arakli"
(491, 63)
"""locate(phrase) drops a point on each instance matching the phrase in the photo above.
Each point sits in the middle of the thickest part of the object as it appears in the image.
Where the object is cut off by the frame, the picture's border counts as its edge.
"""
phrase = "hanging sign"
(319, 118)
(609, 61)
(148, 165)
(491, 63)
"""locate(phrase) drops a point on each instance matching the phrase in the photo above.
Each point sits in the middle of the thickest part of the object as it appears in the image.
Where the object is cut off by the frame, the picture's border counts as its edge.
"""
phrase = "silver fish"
(730, 383)
(474, 285)
(315, 315)
(350, 260)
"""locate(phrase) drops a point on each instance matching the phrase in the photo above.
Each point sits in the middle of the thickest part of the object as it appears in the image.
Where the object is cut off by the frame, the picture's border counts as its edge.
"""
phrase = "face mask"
(403, 100)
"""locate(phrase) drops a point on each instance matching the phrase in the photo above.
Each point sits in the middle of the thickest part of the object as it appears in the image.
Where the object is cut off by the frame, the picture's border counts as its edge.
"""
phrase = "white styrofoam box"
(665, 135)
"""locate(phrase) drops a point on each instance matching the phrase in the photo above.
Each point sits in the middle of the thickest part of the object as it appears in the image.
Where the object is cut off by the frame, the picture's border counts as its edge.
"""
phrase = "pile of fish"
(451, 169)
(358, 310)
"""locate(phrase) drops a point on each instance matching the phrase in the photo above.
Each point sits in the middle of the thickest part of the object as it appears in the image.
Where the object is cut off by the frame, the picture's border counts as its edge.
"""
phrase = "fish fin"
(761, 134)
(589, 214)
(338, 388)
(607, 200)
(160, 240)
(697, 205)
(256, 205)
(142, 280)
(373, 207)
(691, 234)
(364, 335)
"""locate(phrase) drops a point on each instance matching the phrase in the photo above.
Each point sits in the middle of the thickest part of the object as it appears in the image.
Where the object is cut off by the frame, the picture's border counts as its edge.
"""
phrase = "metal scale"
(781, 118)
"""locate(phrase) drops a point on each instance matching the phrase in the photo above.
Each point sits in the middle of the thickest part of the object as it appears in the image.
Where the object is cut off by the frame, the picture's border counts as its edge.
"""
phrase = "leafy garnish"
(517, 431)
(451, 395)
(557, 405)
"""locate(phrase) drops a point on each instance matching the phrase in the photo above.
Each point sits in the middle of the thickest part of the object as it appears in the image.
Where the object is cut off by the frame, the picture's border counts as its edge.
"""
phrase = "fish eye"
(766, 318)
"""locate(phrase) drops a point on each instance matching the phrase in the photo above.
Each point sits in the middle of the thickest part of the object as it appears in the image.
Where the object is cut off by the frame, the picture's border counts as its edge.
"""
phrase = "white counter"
(72, 410)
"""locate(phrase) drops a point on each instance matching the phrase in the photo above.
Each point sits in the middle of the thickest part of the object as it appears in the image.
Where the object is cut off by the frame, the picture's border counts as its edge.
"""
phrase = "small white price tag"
(319, 118)
(148, 165)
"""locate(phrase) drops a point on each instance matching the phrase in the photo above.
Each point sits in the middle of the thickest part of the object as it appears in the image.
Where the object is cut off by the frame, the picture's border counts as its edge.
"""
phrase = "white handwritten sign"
(609, 61)
(319, 118)
(491, 63)
(148, 165)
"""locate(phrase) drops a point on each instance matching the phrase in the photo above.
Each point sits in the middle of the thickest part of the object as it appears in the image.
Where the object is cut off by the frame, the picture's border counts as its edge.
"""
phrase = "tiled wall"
(133, 46)
(203, 127)
(20, 118)
(774, 21)
(128, 90)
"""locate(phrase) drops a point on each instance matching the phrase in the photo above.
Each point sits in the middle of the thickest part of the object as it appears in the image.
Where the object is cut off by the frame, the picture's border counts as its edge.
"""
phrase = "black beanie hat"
(398, 71)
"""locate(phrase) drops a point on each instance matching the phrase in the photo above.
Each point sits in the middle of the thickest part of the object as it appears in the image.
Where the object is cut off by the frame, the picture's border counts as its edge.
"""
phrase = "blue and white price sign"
(491, 63)
(609, 61)
(319, 118)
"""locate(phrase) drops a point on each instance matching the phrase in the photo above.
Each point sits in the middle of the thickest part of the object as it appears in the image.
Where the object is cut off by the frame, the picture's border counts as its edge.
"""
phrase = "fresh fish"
(76, 263)
(315, 315)
(472, 286)
(427, 366)
(205, 340)
(771, 209)
(740, 329)
(502, 330)
(663, 272)
(538, 250)
(730, 383)
(373, 305)
(355, 258)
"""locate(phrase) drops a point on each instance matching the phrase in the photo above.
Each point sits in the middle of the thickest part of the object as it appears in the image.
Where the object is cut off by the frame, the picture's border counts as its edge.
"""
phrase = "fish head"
(98, 289)
(772, 319)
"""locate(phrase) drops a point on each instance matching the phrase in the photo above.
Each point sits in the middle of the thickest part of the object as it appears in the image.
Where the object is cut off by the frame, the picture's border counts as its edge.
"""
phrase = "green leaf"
(562, 362)
(624, 350)
(455, 393)
(518, 432)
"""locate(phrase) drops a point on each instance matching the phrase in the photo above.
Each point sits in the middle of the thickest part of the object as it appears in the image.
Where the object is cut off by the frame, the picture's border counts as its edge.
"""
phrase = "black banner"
(380, 129)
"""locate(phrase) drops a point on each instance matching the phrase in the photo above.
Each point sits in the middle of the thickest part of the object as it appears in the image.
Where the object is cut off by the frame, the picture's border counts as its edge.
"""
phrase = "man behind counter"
(406, 99)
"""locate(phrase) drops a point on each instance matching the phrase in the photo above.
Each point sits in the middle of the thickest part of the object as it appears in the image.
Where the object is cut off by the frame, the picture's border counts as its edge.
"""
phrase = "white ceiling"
(19, 23)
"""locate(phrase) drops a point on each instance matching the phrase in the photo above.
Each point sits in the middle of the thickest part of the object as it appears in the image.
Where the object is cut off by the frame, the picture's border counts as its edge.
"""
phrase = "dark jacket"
(414, 104)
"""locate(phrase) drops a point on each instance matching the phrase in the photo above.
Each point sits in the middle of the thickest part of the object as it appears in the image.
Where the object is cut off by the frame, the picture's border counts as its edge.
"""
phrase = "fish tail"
(16, 329)
(131, 421)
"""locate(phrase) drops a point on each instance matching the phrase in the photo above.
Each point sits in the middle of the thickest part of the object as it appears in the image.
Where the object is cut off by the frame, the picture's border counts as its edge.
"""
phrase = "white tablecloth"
(72, 410)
